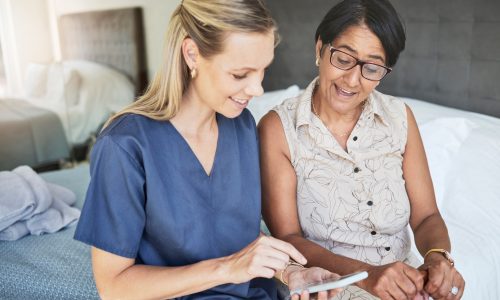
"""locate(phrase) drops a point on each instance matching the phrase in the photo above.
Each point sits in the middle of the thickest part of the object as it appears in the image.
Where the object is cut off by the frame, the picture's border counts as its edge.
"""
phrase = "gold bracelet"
(444, 252)
(289, 263)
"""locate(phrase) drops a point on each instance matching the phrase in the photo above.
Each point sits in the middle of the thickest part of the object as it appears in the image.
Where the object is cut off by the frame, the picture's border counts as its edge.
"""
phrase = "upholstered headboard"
(452, 54)
(112, 37)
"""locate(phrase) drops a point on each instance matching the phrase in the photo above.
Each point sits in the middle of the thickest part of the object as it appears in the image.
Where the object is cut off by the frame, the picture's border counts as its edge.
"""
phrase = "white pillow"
(442, 140)
(55, 85)
(72, 83)
(103, 91)
(63, 86)
(35, 80)
(259, 106)
(102, 86)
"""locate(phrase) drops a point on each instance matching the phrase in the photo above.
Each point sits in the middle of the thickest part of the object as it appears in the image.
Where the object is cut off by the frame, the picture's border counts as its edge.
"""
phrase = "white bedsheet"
(467, 189)
(463, 150)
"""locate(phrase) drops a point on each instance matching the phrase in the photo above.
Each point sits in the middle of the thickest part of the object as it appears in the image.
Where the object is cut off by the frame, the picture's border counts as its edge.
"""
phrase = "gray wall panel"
(452, 54)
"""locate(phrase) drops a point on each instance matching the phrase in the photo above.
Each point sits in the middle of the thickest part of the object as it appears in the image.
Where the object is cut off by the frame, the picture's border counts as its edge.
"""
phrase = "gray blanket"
(29, 135)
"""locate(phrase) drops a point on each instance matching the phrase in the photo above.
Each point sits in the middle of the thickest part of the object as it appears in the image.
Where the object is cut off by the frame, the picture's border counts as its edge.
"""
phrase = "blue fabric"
(150, 198)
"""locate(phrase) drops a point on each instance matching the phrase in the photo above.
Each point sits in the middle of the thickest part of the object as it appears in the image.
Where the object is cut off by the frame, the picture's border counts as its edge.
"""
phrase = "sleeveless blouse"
(353, 203)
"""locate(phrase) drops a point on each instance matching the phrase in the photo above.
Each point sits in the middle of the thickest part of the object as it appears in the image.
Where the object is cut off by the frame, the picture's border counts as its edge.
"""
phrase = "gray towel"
(17, 200)
(33, 205)
(43, 198)
(61, 193)
(14, 231)
(58, 216)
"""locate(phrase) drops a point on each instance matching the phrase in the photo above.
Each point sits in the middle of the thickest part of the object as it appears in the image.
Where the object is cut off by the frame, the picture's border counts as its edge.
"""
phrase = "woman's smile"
(240, 103)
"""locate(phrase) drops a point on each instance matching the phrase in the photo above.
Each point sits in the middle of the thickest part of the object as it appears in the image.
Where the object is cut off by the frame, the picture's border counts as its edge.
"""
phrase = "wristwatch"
(445, 253)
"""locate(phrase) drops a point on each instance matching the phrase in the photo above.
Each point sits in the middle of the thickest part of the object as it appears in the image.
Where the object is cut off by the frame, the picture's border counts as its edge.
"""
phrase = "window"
(3, 82)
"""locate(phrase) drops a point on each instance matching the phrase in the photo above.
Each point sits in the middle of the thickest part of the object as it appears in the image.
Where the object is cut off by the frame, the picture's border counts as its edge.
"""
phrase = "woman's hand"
(262, 258)
(394, 281)
(298, 277)
(442, 278)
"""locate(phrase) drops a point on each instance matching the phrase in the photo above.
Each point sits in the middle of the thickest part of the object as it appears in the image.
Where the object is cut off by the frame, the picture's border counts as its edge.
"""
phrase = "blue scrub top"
(150, 198)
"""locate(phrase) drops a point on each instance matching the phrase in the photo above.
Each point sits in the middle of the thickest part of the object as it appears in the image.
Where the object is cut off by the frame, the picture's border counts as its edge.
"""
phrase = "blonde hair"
(207, 22)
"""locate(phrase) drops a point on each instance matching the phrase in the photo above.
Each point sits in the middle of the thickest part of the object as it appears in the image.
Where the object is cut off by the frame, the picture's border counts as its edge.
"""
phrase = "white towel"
(31, 205)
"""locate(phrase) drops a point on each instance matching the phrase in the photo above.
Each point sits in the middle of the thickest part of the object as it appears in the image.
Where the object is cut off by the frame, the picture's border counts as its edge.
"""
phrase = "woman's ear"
(319, 45)
(190, 52)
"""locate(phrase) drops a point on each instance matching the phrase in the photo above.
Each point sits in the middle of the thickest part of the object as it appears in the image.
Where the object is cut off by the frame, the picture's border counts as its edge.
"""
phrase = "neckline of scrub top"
(218, 119)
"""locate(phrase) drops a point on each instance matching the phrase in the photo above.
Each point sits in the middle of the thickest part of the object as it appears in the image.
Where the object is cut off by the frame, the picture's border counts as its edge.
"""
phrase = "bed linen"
(29, 135)
(463, 150)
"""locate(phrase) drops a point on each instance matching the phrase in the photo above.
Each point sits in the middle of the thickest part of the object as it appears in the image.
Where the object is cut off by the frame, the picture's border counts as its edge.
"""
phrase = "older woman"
(344, 169)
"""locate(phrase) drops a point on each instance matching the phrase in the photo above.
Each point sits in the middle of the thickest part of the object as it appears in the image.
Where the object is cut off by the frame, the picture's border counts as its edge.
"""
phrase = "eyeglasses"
(344, 61)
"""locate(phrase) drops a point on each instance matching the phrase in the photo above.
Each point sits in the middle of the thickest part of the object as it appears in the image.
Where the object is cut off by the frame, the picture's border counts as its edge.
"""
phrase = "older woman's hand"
(394, 281)
(444, 281)
(298, 278)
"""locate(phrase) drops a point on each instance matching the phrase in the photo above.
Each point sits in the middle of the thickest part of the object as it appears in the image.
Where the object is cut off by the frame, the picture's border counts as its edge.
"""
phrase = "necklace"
(343, 134)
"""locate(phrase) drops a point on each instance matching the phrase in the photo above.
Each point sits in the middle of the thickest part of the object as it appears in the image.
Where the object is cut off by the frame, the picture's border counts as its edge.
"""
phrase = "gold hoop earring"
(193, 73)
(317, 61)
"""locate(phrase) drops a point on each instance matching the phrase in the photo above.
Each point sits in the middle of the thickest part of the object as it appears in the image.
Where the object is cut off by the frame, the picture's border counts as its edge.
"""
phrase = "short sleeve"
(113, 215)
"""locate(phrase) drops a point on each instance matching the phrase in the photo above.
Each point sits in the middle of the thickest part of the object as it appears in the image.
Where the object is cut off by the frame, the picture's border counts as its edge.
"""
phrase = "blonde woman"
(173, 207)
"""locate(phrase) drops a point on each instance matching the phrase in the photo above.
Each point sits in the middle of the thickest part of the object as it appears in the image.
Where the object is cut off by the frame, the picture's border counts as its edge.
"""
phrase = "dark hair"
(378, 15)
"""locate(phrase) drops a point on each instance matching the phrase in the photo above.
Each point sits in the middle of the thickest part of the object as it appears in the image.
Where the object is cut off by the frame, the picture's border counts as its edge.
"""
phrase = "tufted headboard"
(452, 54)
(113, 38)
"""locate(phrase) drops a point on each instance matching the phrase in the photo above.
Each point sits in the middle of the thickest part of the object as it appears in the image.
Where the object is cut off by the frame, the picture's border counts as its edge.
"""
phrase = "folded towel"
(58, 216)
(17, 200)
(43, 198)
(61, 193)
(14, 231)
(28, 204)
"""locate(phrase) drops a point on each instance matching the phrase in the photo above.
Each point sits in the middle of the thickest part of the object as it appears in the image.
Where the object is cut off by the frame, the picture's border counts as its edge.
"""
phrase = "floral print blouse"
(353, 203)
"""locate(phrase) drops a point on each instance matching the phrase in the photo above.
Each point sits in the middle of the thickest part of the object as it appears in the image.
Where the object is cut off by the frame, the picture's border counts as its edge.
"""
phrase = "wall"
(31, 25)
(26, 38)
(156, 14)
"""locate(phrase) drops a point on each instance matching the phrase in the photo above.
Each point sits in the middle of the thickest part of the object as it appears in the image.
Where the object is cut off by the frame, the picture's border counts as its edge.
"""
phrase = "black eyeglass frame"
(359, 62)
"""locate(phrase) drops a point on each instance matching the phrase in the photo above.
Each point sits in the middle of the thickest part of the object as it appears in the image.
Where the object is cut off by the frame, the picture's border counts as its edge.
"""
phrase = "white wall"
(28, 29)
(31, 25)
(26, 38)
(156, 14)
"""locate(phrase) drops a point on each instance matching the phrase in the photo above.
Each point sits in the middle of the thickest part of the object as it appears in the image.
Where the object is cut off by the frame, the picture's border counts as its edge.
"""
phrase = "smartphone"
(331, 284)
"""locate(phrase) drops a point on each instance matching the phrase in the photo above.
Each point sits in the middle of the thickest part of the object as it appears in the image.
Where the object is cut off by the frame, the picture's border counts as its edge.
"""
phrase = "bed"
(30, 135)
(103, 68)
(55, 266)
